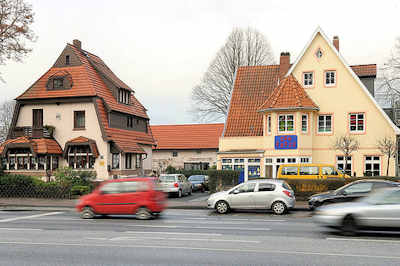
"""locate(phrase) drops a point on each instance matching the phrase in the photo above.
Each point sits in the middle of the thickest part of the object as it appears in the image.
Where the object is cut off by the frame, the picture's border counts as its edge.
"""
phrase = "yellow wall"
(347, 96)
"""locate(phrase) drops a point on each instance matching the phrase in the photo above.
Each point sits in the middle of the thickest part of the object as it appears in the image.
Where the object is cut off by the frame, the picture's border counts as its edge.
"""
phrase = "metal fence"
(50, 191)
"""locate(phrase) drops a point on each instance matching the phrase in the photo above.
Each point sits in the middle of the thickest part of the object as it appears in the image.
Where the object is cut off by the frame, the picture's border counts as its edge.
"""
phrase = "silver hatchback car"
(271, 194)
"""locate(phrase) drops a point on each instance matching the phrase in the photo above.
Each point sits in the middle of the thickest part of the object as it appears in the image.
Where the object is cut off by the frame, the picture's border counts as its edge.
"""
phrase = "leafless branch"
(244, 47)
(6, 115)
(388, 147)
(347, 145)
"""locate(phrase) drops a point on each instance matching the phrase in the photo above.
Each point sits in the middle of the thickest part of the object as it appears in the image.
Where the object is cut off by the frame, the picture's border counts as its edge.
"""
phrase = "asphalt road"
(185, 237)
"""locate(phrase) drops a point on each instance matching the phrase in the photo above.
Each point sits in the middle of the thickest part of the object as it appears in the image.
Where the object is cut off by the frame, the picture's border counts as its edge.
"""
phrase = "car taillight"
(176, 185)
(287, 193)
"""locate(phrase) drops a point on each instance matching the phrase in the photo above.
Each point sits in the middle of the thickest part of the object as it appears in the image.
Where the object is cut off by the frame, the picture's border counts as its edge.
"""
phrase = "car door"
(242, 196)
(354, 191)
(263, 195)
(109, 199)
(131, 195)
(385, 212)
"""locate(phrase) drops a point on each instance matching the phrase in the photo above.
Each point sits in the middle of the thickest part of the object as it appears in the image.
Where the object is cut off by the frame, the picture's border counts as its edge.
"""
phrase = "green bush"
(170, 170)
(80, 190)
(68, 177)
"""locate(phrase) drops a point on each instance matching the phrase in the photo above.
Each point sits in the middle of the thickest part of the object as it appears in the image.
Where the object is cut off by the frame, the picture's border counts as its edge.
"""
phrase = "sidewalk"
(66, 204)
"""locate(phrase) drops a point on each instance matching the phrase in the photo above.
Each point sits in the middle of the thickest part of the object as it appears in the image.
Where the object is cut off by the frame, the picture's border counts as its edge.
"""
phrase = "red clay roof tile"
(289, 95)
(195, 136)
(40, 146)
(365, 70)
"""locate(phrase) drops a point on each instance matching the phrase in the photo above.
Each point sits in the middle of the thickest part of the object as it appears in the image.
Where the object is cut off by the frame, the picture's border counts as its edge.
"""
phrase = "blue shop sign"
(286, 142)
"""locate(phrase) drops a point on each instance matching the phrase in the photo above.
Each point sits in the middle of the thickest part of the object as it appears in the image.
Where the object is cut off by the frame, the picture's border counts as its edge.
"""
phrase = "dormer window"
(123, 96)
(58, 83)
(67, 60)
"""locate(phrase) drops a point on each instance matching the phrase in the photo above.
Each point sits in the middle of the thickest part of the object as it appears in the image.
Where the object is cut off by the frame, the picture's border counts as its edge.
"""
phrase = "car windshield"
(196, 178)
(167, 178)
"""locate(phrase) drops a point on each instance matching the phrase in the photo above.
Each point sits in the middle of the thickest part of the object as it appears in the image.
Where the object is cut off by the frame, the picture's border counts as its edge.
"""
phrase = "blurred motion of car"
(349, 192)
(176, 184)
(140, 196)
(271, 194)
(199, 182)
(379, 210)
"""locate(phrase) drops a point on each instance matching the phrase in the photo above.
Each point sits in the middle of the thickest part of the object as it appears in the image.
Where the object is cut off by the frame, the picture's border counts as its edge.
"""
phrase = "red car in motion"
(140, 196)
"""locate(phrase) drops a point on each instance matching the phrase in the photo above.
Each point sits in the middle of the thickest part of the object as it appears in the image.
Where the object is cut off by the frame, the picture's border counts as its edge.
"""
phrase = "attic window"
(67, 60)
(123, 96)
(58, 83)
(318, 54)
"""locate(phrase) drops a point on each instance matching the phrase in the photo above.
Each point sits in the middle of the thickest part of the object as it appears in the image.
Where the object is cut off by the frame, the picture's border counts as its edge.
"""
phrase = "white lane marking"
(196, 218)
(263, 251)
(211, 221)
(20, 229)
(181, 239)
(201, 227)
(96, 238)
(173, 233)
(29, 217)
(363, 240)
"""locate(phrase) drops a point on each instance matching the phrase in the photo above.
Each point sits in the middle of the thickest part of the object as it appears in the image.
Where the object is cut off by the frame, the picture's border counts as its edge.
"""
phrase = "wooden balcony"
(32, 132)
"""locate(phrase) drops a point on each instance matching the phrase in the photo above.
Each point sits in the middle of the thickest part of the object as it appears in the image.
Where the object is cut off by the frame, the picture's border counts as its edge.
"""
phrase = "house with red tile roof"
(79, 114)
(190, 146)
(294, 112)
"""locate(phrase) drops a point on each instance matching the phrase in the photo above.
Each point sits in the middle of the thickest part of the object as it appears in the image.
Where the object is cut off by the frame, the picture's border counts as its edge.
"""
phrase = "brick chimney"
(284, 64)
(336, 42)
(77, 43)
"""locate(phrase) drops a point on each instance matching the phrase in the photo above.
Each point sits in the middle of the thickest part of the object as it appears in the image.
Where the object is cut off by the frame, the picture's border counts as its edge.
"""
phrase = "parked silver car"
(378, 210)
(272, 194)
(176, 184)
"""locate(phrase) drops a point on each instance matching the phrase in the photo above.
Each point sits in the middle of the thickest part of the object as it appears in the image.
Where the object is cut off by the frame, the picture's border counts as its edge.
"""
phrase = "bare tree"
(16, 18)
(244, 47)
(388, 147)
(347, 145)
(389, 82)
(6, 115)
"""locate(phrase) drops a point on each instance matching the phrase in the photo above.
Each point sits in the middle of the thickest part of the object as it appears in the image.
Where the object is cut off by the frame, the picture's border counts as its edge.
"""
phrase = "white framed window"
(330, 78)
(291, 160)
(325, 123)
(341, 164)
(372, 166)
(305, 160)
(286, 123)
(280, 160)
(308, 79)
(269, 123)
(304, 123)
(357, 122)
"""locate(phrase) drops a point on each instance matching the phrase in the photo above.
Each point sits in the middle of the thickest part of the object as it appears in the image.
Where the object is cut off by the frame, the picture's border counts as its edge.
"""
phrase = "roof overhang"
(91, 143)
(241, 152)
(289, 109)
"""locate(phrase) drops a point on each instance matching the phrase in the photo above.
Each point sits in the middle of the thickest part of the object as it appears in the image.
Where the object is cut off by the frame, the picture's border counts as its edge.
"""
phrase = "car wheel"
(87, 213)
(349, 226)
(222, 207)
(179, 193)
(143, 214)
(278, 207)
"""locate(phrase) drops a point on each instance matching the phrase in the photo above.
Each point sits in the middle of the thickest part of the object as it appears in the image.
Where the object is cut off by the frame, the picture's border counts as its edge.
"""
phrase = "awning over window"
(37, 146)
(128, 147)
(82, 141)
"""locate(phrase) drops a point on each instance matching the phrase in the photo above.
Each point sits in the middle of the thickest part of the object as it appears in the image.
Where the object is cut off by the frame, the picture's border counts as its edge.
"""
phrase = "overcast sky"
(162, 48)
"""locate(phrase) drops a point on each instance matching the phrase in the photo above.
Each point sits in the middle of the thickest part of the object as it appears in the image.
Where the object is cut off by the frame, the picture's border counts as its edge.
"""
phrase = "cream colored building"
(78, 114)
(294, 113)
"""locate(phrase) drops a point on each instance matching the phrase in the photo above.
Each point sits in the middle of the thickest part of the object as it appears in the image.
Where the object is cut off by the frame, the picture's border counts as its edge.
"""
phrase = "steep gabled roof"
(364, 70)
(348, 67)
(38, 146)
(289, 95)
(86, 81)
(192, 136)
(253, 85)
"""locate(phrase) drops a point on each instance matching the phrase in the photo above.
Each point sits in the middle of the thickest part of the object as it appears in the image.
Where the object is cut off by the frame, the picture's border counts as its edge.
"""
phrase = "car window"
(196, 178)
(167, 178)
(111, 188)
(134, 186)
(285, 185)
(364, 187)
(249, 187)
(289, 170)
(378, 185)
(266, 187)
(309, 170)
(328, 170)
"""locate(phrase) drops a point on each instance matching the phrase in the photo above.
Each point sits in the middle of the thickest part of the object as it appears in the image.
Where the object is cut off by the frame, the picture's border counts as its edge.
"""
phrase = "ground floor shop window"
(372, 166)
(253, 171)
(23, 159)
(341, 164)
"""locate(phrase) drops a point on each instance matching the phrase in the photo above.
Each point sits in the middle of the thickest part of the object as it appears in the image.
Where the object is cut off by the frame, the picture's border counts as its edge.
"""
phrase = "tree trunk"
(387, 168)
(345, 165)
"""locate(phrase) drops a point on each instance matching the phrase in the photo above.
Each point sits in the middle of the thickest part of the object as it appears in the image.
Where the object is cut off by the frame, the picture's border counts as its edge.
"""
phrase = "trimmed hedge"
(304, 188)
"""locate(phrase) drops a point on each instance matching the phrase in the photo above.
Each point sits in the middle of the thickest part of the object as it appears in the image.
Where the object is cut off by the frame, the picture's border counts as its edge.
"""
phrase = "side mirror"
(236, 191)
(344, 193)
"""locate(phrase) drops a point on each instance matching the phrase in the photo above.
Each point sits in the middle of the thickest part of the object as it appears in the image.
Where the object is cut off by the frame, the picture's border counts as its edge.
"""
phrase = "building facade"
(78, 114)
(190, 147)
(294, 113)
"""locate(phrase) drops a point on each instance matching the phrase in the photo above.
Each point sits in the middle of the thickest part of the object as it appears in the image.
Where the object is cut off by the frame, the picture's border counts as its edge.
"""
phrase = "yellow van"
(309, 171)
